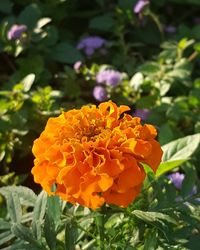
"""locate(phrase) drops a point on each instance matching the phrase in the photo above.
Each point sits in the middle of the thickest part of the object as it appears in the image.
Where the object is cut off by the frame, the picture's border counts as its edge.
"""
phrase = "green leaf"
(103, 23)
(188, 185)
(4, 225)
(25, 233)
(49, 231)
(70, 236)
(28, 82)
(30, 15)
(26, 195)
(42, 22)
(66, 53)
(40, 207)
(177, 152)
(150, 240)
(153, 216)
(6, 237)
(13, 204)
(150, 68)
(6, 6)
(36, 229)
(54, 208)
(31, 64)
(181, 149)
(38, 214)
(167, 166)
(136, 81)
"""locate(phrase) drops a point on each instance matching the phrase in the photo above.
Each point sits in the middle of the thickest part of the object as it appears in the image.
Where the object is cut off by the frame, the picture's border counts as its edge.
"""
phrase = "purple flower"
(77, 66)
(90, 44)
(140, 6)
(100, 93)
(142, 113)
(16, 31)
(177, 179)
(170, 29)
(109, 77)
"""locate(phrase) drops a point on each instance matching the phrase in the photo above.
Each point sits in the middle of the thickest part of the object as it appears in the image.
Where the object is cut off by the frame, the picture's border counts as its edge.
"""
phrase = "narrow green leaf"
(38, 214)
(6, 237)
(40, 207)
(14, 208)
(54, 208)
(26, 195)
(25, 233)
(49, 232)
(4, 225)
(36, 229)
(150, 240)
(153, 216)
(70, 238)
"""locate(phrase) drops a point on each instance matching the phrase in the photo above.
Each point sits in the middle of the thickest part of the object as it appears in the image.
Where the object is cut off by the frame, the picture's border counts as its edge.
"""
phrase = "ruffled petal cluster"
(94, 155)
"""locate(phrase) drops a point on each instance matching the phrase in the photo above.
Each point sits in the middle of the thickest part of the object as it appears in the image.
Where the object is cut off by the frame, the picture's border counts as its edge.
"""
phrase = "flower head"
(177, 179)
(93, 155)
(170, 29)
(142, 113)
(16, 31)
(109, 77)
(100, 93)
(140, 6)
(90, 44)
(77, 66)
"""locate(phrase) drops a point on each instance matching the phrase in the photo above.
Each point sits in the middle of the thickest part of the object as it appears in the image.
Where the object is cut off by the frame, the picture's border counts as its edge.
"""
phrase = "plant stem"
(100, 226)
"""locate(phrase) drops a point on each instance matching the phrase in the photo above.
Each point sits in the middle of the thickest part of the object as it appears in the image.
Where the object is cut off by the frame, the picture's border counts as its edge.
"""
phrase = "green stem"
(157, 22)
(100, 226)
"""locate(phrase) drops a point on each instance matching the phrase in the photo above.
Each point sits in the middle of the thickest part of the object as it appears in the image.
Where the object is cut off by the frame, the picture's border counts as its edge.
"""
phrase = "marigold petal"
(121, 199)
(93, 155)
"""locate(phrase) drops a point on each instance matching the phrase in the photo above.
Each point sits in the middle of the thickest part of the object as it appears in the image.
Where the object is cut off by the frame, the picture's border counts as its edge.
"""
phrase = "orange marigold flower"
(94, 155)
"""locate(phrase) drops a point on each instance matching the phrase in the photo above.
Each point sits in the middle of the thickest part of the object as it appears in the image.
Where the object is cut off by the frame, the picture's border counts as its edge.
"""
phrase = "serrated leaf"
(153, 216)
